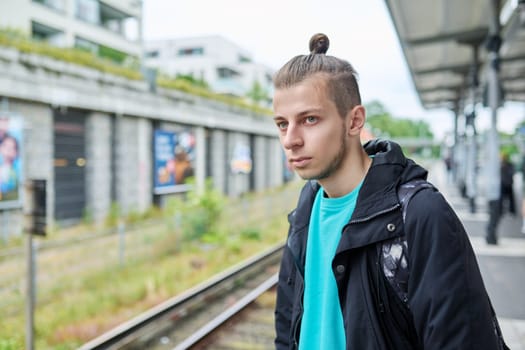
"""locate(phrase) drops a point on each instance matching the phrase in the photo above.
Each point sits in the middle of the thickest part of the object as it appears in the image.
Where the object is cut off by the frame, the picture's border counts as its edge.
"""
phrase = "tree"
(383, 123)
(257, 93)
(192, 80)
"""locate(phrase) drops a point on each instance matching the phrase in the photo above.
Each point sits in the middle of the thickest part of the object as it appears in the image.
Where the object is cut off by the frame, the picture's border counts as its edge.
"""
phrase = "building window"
(88, 10)
(191, 51)
(225, 72)
(244, 59)
(115, 20)
(110, 18)
(52, 4)
(47, 34)
(152, 54)
(86, 45)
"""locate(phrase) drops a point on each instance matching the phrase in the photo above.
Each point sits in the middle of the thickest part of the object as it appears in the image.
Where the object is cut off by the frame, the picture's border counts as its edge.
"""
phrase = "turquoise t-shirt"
(322, 324)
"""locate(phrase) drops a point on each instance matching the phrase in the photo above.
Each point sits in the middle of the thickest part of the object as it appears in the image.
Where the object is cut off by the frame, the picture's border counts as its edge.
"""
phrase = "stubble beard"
(335, 164)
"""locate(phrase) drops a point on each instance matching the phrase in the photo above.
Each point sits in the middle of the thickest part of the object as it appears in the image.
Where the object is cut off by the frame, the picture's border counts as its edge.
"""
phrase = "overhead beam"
(513, 77)
(513, 58)
(456, 68)
(438, 101)
(455, 87)
(468, 36)
(514, 90)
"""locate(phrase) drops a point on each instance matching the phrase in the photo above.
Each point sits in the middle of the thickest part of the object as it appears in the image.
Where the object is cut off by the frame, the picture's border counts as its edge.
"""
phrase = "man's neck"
(347, 177)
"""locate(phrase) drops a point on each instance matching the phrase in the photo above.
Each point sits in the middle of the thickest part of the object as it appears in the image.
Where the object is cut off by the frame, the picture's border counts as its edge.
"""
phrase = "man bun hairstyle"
(339, 75)
(319, 43)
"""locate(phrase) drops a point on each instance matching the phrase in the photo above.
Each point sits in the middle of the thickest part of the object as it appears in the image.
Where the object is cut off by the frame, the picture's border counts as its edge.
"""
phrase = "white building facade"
(110, 28)
(224, 66)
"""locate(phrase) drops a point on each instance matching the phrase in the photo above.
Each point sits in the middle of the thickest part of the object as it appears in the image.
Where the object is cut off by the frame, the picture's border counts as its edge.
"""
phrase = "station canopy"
(444, 41)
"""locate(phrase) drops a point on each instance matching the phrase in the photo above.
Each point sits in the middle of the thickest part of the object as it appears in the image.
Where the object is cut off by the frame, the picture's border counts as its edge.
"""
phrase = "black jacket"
(446, 296)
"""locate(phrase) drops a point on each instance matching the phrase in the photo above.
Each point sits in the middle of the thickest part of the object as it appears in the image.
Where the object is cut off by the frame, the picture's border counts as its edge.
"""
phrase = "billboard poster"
(173, 160)
(11, 177)
(241, 162)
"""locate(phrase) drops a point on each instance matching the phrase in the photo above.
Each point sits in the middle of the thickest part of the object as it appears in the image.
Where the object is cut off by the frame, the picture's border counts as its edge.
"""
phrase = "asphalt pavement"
(502, 265)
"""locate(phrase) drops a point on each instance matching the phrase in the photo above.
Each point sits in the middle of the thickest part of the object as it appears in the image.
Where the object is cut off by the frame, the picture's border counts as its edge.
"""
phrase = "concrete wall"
(238, 183)
(121, 118)
(260, 167)
(275, 163)
(98, 165)
(218, 159)
(133, 164)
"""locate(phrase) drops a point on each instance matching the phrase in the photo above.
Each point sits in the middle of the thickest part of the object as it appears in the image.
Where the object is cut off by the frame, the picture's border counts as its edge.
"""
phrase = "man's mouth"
(300, 162)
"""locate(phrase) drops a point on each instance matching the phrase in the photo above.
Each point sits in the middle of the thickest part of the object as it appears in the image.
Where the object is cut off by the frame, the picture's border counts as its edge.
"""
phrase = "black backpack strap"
(406, 191)
(394, 252)
(393, 288)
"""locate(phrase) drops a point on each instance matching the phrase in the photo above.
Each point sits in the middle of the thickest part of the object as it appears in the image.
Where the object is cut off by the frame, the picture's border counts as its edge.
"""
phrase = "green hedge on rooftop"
(18, 40)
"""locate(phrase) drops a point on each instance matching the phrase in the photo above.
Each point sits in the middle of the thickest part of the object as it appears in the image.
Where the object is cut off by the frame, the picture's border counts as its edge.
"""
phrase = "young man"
(333, 292)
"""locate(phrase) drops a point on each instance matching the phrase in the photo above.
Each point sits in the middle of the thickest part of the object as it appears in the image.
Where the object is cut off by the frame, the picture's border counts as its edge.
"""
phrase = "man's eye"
(311, 120)
(282, 125)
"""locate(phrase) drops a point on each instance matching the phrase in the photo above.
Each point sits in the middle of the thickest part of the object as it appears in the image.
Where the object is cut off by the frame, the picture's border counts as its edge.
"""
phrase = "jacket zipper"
(298, 322)
(296, 326)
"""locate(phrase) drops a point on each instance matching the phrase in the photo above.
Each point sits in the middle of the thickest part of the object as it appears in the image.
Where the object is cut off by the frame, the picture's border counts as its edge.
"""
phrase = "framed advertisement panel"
(11, 160)
(174, 154)
(241, 162)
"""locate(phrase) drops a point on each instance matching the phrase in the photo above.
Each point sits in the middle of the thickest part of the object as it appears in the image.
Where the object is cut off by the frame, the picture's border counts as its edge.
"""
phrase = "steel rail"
(134, 325)
(227, 314)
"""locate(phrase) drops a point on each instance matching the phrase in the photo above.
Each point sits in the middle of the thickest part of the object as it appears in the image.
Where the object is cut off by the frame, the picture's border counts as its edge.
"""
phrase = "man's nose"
(292, 138)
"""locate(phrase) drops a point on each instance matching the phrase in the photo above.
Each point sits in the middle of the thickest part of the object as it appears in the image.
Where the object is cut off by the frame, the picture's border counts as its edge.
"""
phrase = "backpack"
(394, 253)
(395, 260)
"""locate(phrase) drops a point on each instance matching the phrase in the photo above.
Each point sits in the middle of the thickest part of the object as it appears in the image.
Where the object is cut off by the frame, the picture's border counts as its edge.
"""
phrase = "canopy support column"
(493, 161)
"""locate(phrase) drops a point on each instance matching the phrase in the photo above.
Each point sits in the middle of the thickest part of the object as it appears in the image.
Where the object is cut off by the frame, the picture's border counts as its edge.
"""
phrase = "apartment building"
(109, 28)
(223, 65)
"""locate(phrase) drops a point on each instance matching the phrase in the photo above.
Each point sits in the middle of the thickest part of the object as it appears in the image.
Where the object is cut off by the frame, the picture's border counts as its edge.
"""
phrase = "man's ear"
(356, 118)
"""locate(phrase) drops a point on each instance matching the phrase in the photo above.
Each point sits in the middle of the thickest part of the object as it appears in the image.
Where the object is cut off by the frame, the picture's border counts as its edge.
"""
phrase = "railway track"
(247, 325)
(197, 318)
(250, 329)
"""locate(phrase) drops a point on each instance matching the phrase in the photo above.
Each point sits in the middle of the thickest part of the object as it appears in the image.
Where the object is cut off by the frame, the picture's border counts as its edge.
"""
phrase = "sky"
(360, 32)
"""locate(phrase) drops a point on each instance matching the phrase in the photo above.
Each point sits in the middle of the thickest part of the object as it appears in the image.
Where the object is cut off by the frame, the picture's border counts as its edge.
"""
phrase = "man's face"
(9, 150)
(311, 130)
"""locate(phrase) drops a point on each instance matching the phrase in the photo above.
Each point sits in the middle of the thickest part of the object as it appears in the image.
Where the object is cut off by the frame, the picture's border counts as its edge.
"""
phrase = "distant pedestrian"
(506, 201)
(448, 163)
(523, 195)
(507, 186)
